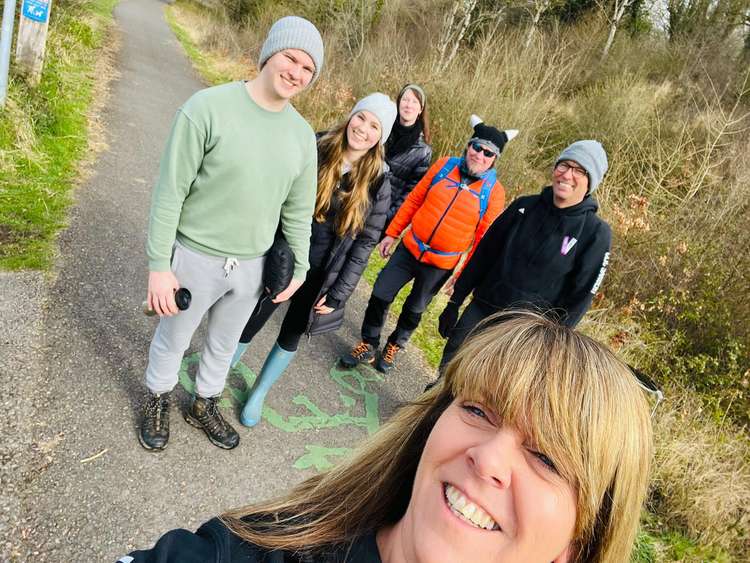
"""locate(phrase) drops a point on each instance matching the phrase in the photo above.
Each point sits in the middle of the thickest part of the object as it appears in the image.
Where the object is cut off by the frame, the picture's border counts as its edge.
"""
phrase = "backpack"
(484, 193)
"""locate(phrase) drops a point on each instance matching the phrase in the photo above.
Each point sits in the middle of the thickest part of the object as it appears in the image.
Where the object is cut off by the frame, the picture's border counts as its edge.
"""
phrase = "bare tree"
(455, 26)
(716, 19)
(536, 9)
(614, 11)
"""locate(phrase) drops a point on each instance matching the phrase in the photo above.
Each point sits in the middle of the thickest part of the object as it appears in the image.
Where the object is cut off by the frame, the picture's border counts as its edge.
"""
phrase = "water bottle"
(182, 298)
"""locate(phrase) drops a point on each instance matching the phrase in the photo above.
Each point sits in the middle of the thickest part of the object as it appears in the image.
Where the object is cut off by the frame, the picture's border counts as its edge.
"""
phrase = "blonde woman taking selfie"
(535, 447)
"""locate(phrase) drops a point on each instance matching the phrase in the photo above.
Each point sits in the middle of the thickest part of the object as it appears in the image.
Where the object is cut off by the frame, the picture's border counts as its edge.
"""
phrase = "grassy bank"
(44, 134)
(675, 121)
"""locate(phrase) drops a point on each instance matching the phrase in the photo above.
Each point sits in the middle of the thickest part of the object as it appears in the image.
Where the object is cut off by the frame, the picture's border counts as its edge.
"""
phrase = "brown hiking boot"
(362, 353)
(204, 414)
(154, 433)
(386, 359)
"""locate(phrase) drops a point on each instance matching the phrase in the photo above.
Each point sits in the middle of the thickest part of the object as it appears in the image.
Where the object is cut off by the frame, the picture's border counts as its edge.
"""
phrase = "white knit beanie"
(293, 32)
(382, 107)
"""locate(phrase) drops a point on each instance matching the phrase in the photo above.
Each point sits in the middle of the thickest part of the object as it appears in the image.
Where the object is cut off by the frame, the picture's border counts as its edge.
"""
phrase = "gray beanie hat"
(293, 32)
(591, 156)
(382, 107)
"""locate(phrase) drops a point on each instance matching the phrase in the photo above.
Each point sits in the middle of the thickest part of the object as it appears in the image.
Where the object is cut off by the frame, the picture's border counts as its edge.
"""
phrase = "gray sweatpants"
(225, 289)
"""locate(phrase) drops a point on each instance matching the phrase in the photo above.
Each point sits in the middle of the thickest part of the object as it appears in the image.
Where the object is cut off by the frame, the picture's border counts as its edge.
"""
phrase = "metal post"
(6, 38)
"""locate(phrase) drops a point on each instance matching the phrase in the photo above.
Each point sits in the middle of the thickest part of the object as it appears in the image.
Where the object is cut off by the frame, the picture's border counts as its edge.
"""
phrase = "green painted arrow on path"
(353, 390)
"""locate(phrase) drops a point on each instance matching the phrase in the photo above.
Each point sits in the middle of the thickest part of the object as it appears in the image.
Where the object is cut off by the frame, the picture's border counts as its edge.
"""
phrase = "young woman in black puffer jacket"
(350, 209)
(407, 150)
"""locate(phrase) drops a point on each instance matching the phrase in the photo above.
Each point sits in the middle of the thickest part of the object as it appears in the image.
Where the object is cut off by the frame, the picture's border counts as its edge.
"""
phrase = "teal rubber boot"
(276, 362)
(241, 347)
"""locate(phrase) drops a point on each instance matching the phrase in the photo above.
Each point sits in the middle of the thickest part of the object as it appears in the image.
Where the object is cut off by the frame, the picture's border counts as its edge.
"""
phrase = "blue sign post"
(36, 10)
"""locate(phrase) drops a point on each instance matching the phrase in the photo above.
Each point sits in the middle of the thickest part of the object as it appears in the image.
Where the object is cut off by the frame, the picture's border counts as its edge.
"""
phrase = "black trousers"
(297, 316)
(474, 313)
(400, 270)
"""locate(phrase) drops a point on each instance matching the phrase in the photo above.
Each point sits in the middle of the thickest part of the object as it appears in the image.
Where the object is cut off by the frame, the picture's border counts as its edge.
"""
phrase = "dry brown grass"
(701, 479)
(105, 71)
(223, 47)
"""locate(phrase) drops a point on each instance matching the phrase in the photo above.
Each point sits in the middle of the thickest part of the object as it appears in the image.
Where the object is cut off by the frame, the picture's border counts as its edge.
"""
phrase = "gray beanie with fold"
(382, 107)
(591, 156)
(293, 32)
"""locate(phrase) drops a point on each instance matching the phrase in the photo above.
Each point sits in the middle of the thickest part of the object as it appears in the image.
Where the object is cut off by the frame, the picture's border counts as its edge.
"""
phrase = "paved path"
(87, 390)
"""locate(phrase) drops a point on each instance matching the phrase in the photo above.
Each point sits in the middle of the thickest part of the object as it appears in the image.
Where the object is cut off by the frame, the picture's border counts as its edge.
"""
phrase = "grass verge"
(44, 135)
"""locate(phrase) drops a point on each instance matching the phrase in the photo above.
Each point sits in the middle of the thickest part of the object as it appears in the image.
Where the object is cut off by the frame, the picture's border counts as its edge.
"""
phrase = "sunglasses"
(648, 385)
(479, 148)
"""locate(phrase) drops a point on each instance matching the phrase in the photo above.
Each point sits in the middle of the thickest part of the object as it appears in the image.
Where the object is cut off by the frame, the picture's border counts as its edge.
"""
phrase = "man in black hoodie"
(548, 251)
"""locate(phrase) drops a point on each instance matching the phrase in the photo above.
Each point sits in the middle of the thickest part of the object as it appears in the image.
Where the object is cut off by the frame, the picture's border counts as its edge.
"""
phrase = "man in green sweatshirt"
(238, 161)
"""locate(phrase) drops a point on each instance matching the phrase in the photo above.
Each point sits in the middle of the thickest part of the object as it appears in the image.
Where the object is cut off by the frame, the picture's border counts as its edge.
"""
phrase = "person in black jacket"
(350, 209)
(407, 150)
(549, 251)
(536, 448)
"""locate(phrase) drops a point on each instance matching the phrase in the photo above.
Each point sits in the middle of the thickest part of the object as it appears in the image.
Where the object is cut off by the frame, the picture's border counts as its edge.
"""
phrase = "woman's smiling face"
(363, 131)
(483, 492)
(409, 108)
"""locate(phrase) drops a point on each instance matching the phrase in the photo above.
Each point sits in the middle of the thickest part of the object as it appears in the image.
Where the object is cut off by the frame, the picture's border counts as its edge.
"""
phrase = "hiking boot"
(385, 361)
(362, 353)
(204, 414)
(154, 433)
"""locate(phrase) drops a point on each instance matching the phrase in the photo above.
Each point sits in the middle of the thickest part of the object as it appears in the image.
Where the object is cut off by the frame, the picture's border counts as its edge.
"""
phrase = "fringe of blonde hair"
(573, 398)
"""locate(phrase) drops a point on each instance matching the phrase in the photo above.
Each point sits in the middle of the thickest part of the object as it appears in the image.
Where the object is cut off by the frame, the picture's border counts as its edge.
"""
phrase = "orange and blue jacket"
(444, 218)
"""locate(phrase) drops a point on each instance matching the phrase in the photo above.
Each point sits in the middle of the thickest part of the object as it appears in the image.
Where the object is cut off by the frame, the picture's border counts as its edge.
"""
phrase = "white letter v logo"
(567, 244)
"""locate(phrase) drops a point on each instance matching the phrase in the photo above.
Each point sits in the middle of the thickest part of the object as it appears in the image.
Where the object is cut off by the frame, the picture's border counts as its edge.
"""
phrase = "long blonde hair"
(355, 202)
(579, 404)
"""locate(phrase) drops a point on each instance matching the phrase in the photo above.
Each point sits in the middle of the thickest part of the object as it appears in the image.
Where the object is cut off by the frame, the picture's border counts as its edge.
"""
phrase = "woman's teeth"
(467, 510)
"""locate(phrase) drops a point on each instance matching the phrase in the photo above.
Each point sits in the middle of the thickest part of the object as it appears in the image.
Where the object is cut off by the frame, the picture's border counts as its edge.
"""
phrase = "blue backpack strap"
(449, 165)
(427, 248)
(484, 195)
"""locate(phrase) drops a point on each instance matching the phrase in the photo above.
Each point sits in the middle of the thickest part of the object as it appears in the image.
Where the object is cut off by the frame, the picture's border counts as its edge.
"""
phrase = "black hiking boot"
(204, 414)
(154, 433)
(386, 359)
(362, 353)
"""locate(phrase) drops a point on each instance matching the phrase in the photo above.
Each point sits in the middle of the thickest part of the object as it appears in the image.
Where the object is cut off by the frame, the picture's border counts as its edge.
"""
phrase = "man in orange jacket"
(445, 215)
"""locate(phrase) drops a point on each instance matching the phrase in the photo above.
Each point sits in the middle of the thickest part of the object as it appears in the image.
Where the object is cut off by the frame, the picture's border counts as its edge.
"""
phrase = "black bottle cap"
(182, 298)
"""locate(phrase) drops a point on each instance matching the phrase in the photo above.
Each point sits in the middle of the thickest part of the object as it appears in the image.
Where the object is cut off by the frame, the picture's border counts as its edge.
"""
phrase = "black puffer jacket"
(407, 168)
(348, 258)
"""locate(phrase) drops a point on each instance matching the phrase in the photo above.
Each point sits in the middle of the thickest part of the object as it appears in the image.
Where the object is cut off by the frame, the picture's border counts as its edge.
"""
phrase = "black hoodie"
(538, 255)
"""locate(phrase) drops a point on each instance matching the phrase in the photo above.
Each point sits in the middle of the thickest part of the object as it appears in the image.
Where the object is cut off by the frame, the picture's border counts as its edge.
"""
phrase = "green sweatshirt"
(229, 171)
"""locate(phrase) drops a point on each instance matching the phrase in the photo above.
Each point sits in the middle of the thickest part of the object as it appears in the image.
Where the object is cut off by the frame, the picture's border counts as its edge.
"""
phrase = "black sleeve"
(210, 544)
(485, 255)
(587, 277)
(359, 253)
(415, 175)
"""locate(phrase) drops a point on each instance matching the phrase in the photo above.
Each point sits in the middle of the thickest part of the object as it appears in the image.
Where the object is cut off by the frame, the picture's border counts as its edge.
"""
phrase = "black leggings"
(297, 316)
(474, 313)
